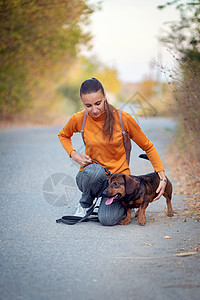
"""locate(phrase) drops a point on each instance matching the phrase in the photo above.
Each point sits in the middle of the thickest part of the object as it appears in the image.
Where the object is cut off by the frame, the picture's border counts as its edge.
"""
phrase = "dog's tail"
(144, 156)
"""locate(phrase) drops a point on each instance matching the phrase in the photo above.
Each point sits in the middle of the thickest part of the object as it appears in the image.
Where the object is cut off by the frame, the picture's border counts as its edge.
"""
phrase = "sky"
(125, 36)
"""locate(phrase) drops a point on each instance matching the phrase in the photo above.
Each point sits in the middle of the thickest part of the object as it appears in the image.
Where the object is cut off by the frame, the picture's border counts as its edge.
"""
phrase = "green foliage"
(71, 92)
(35, 36)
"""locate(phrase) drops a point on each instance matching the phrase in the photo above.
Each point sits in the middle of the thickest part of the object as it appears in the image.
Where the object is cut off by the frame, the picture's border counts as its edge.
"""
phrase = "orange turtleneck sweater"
(109, 154)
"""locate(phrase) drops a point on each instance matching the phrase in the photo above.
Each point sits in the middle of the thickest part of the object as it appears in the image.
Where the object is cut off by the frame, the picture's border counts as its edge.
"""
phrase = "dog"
(136, 192)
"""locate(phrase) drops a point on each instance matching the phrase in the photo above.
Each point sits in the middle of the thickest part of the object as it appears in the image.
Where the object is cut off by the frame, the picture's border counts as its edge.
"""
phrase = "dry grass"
(186, 174)
(185, 153)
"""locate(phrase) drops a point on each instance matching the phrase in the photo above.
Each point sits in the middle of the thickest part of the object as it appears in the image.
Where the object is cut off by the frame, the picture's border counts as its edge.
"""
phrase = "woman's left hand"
(161, 188)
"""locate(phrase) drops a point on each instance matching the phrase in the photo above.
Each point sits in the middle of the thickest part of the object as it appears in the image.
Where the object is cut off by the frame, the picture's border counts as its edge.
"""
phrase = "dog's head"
(119, 186)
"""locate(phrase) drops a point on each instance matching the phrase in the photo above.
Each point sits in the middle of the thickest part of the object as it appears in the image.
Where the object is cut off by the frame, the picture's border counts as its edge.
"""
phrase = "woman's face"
(94, 103)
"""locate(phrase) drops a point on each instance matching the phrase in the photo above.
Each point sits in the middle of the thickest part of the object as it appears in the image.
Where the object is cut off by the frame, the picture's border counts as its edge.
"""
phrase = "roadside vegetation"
(183, 40)
(41, 66)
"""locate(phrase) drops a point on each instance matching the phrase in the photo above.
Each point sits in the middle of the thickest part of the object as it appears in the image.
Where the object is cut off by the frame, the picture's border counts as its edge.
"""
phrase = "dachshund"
(136, 192)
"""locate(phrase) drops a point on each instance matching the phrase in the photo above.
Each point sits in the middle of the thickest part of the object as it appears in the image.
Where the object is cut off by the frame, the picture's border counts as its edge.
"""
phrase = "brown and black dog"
(136, 192)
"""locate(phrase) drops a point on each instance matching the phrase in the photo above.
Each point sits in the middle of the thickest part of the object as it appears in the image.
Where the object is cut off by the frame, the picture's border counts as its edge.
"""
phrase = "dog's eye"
(115, 183)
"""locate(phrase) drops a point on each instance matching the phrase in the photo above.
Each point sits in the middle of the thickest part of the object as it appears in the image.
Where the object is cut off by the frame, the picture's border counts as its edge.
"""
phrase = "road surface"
(43, 260)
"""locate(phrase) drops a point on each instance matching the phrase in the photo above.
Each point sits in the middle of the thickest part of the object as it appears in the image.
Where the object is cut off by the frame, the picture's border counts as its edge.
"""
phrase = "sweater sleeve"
(137, 135)
(73, 125)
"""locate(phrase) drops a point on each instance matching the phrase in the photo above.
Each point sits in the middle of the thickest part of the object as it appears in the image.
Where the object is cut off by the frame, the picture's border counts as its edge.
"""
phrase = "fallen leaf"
(181, 249)
(179, 263)
(147, 244)
(197, 248)
(185, 220)
(186, 254)
(167, 237)
(169, 224)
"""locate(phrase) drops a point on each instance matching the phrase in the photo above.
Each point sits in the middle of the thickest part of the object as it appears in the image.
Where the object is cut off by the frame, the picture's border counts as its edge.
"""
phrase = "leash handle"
(72, 220)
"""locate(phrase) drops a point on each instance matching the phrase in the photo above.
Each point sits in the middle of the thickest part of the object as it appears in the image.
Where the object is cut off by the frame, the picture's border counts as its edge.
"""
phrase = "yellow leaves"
(147, 87)
(109, 79)
(167, 237)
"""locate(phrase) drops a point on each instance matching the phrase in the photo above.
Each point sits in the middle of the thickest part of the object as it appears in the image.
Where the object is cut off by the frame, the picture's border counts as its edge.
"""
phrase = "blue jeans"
(92, 181)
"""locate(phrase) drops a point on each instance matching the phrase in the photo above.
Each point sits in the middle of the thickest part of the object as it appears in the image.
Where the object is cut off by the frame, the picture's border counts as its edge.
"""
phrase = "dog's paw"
(170, 214)
(125, 221)
(142, 221)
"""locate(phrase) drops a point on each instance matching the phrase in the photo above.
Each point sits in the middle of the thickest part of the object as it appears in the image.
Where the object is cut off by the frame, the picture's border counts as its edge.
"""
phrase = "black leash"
(71, 220)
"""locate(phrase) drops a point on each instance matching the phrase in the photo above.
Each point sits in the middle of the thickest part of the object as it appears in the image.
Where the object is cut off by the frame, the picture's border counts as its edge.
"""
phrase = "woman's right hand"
(82, 159)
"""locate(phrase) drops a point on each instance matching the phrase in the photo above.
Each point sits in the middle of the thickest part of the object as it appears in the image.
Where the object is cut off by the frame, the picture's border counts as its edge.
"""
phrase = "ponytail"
(109, 121)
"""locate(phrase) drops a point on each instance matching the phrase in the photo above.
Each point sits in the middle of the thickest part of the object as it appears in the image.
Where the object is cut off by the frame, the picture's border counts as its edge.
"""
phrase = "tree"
(184, 35)
(37, 39)
(184, 38)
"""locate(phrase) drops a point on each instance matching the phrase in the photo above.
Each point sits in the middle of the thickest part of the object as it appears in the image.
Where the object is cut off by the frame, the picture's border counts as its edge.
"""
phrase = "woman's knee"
(110, 215)
(93, 177)
(91, 181)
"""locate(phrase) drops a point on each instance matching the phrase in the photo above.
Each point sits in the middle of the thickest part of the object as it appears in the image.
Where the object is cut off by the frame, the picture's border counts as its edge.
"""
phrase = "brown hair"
(93, 85)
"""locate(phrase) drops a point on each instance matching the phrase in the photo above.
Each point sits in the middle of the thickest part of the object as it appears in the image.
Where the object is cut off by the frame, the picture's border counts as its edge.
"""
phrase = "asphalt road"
(43, 260)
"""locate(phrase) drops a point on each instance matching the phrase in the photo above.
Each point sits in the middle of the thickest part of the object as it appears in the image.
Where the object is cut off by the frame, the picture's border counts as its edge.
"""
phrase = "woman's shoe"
(80, 212)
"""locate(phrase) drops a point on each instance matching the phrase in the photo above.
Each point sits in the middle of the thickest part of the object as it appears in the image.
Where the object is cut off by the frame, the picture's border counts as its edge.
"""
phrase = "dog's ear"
(112, 177)
(131, 184)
